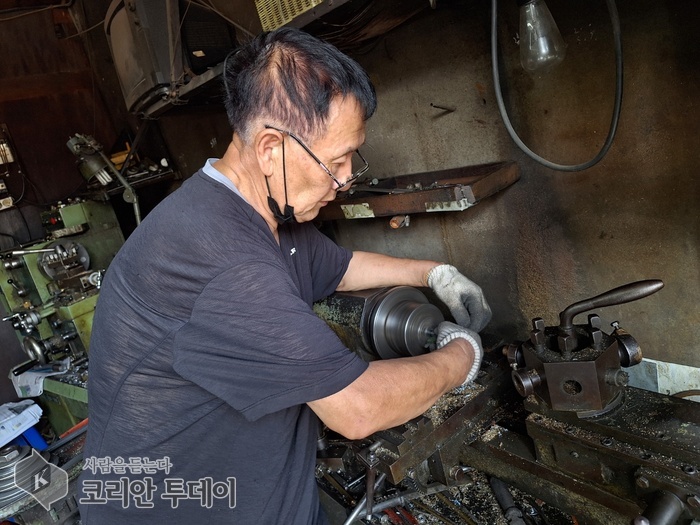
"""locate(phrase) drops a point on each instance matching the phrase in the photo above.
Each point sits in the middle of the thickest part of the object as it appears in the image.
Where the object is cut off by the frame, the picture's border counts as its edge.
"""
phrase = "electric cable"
(173, 48)
(24, 189)
(89, 53)
(4, 156)
(85, 31)
(511, 512)
(615, 20)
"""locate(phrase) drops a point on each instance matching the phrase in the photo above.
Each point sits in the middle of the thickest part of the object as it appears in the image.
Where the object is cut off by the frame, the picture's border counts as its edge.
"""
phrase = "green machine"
(50, 289)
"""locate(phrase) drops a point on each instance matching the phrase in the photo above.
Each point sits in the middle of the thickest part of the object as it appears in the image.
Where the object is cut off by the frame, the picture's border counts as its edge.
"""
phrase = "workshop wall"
(549, 240)
(553, 238)
(48, 94)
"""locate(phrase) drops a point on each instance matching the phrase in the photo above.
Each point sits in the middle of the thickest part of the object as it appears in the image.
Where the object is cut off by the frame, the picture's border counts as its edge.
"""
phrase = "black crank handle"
(620, 295)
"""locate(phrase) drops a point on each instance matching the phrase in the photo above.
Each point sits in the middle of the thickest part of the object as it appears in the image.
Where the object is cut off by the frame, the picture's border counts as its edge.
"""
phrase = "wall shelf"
(453, 189)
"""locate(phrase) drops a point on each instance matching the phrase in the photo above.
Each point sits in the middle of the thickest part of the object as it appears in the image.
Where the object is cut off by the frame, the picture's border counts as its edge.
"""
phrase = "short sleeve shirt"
(204, 352)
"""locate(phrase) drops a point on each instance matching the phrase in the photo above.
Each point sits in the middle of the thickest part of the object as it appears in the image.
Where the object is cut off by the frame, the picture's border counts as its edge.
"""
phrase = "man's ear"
(268, 150)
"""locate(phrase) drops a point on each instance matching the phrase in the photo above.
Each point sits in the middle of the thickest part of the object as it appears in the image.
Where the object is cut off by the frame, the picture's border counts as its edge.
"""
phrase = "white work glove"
(464, 298)
(447, 331)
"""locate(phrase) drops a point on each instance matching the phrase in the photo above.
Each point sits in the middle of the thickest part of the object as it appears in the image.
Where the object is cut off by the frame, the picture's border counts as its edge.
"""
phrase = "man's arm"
(374, 270)
(464, 298)
(393, 391)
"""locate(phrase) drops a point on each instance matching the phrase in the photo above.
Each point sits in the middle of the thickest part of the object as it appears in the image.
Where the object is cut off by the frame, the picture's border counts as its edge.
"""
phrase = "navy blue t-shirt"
(204, 352)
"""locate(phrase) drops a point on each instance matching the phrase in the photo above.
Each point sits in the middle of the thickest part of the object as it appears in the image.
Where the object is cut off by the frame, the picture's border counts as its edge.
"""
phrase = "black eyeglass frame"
(340, 185)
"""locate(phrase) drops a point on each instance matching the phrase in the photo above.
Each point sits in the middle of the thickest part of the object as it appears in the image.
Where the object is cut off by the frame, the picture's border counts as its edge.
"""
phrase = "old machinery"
(454, 189)
(7, 159)
(49, 289)
(581, 441)
(383, 323)
(577, 368)
(60, 465)
(93, 163)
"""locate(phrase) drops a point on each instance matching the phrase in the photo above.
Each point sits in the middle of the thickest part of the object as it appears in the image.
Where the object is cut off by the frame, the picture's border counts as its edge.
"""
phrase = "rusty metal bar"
(446, 190)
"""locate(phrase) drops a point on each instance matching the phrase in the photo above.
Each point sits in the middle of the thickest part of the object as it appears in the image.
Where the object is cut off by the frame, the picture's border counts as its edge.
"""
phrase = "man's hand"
(464, 298)
(447, 332)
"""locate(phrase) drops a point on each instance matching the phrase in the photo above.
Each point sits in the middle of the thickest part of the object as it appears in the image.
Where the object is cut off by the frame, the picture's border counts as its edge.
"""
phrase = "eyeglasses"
(357, 173)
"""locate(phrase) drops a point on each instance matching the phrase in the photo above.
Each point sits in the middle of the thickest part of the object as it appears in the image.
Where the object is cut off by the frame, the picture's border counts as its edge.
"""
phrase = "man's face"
(309, 186)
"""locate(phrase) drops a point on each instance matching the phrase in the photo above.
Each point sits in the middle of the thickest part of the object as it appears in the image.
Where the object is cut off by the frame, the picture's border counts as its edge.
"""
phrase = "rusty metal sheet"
(446, 190)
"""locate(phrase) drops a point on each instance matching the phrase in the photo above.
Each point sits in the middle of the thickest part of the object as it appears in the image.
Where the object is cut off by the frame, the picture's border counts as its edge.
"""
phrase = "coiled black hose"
(615, 20)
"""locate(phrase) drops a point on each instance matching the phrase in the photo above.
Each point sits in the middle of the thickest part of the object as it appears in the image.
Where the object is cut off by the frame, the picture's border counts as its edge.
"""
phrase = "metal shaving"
(475, 503)
(451, 402)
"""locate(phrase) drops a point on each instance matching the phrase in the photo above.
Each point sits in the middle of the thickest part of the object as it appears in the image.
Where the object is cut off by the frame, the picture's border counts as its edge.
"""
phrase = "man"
(207, 362)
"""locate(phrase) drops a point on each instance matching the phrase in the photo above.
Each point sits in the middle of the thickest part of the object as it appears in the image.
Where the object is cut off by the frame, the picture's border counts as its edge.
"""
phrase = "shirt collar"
(219, 177)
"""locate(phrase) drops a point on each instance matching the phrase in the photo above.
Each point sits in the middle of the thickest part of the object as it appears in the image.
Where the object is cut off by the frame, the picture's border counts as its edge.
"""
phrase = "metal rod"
(129, 193)
(402, 499)
(29, 252)
(450, 109)
(358, 508)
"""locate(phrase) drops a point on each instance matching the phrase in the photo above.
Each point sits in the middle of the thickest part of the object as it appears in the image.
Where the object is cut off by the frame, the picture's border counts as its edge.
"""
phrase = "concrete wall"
(553, 238)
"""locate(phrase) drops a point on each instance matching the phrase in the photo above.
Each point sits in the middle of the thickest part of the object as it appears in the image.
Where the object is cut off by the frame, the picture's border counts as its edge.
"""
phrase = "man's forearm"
(391, 392)
(374, 270)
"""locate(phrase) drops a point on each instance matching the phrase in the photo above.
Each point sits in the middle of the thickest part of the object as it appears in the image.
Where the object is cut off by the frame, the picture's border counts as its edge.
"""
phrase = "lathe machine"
(550, 417)
(549, 428)
(49, 291)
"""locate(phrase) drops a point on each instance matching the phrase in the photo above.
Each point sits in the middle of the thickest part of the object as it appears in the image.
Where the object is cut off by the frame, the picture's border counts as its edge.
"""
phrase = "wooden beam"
(14, 5)
(38, 86)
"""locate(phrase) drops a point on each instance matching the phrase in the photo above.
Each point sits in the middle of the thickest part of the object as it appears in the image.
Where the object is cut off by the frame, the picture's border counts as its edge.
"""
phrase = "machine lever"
(20, 291)
(11, 317)
(29, 252)
(21, 369)
(371, 476)
(620, 295)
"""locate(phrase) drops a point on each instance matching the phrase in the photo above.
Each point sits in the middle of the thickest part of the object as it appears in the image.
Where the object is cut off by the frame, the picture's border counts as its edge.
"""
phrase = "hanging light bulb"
(541, 44)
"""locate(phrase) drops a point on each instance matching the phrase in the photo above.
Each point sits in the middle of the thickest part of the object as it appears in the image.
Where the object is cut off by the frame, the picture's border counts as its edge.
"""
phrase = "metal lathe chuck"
(382, 324)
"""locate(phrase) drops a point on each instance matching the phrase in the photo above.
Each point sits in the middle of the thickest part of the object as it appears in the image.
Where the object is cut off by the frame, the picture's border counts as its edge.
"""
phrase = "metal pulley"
(402, 323)
(382, 323)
